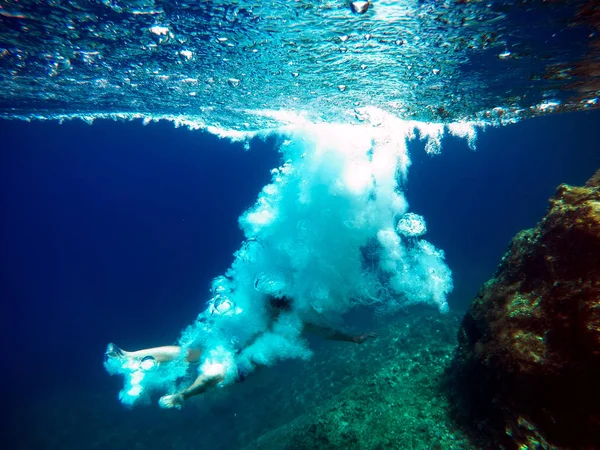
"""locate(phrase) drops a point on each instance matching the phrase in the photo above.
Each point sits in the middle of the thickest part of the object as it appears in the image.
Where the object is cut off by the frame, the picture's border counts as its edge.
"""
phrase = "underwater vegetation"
(528, 361)
(384, 395)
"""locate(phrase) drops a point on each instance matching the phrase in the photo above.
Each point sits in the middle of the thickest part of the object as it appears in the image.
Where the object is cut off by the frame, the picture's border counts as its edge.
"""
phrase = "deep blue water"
(113, 232)
(475, 202)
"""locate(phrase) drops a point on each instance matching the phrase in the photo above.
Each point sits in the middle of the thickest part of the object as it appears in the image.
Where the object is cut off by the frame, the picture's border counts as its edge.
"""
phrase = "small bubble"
(186, 54)
(158, 30)
(160, 34)
(360, 7)
(359, 115)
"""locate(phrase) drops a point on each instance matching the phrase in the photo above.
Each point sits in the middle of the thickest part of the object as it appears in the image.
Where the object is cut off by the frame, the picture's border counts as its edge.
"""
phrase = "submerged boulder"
(528, 361)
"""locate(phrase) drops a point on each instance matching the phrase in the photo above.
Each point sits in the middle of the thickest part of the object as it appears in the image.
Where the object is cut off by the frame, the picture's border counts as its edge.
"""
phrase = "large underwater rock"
(528, 361)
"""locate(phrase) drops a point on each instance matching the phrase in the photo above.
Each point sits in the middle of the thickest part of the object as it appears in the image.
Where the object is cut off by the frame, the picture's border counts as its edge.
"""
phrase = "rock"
(527, 368)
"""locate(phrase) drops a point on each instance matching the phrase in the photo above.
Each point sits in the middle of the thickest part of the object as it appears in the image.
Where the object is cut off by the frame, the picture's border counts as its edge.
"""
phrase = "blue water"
(113, 232)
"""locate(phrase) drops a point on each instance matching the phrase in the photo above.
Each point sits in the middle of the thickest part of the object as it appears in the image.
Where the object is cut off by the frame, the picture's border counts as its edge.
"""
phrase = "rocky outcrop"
(528, 361)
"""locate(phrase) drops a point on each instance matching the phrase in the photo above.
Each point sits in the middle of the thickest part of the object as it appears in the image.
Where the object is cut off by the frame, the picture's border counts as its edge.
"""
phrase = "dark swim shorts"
(243, 370)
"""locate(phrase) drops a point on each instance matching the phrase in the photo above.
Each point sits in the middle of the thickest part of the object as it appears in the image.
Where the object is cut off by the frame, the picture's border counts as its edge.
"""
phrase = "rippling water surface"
(233, 64)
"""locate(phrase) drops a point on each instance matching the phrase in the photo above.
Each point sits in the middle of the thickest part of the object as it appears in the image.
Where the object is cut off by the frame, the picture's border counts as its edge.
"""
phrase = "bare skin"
(200, 385)
(164, 354)
(204, 381)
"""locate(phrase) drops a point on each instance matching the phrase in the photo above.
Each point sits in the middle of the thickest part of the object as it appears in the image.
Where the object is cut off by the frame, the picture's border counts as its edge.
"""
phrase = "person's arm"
(336, 335)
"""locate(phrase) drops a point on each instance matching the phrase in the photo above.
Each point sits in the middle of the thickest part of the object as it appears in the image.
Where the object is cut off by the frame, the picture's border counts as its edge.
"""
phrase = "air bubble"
(411, 224)
(360, 7)
(160, 34)
(186, 54)
(158, 30)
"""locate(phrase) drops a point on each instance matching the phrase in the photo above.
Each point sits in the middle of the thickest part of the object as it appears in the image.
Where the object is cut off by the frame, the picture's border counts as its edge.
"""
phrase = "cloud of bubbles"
(331, 231)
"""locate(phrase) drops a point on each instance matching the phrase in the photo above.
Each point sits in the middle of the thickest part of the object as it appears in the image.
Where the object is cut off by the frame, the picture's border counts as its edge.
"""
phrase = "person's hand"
(363, 337)
(171, 401)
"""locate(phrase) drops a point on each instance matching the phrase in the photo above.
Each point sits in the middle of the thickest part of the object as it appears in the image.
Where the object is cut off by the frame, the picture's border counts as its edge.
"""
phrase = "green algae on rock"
(528, 362)
(384, 394)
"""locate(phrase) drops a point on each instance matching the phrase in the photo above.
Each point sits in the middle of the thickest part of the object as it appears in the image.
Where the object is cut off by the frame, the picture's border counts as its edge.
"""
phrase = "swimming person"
(215, 364)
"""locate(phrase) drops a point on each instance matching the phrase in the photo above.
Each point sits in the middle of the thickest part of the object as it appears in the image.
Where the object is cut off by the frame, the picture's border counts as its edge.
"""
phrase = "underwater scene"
(300, 224)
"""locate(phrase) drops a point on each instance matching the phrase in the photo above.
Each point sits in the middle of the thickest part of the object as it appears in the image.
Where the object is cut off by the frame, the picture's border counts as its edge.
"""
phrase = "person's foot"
(171, 401)
(112, 351)
(116, 360)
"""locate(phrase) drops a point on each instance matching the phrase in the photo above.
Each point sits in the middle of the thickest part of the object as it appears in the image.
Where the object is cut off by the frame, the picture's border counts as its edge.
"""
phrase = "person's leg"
(165, 353)
(336, 335)
(160, 354)
(211, 374)
(200, 385)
